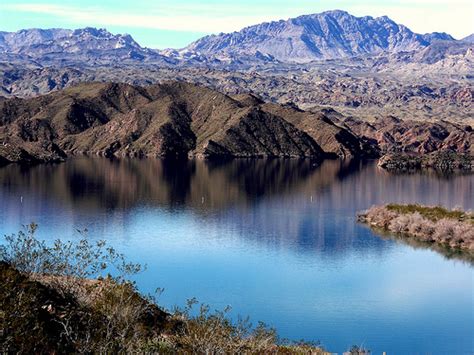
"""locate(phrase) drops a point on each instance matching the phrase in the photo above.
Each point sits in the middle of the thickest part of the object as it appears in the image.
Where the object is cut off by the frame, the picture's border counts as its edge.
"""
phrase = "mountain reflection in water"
(278, 202)
(275, 239)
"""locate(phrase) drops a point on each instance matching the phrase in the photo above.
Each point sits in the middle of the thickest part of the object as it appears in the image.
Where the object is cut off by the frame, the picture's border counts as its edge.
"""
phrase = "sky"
(176, 23)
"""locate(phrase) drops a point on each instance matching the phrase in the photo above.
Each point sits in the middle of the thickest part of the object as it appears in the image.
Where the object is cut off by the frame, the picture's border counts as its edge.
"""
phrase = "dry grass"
(434, 213)
(451, 228)
(50, 304)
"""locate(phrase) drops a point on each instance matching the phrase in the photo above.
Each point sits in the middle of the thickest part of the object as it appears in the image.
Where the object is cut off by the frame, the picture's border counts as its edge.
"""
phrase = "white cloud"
(176, 22)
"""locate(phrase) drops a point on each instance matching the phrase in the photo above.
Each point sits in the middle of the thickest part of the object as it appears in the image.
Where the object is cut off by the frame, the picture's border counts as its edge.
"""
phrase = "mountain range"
(328, 84)
(73, 41)
(325, 36)
(61, 46)
(181, 119)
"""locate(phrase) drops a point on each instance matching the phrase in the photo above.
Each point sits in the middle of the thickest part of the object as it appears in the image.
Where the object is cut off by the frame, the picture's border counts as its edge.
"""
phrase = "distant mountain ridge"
(362, 66)
(328, 35)
(51, 46)
(63, 39)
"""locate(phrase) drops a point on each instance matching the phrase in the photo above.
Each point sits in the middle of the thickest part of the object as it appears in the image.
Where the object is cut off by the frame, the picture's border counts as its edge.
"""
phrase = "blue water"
(277, 240)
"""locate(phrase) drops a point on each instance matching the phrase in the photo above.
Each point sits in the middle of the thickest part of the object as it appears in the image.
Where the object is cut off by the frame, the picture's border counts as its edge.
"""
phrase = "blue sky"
(175, 23)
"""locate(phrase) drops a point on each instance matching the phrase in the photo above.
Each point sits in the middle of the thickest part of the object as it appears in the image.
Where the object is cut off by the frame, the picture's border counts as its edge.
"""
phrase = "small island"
(450, 229)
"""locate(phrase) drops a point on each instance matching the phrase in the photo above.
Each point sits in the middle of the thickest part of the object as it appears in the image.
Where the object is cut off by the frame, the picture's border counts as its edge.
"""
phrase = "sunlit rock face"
(328, 35)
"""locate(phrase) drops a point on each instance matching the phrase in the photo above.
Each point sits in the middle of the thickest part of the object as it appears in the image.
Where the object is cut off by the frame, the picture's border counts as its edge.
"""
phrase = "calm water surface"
(277, 240)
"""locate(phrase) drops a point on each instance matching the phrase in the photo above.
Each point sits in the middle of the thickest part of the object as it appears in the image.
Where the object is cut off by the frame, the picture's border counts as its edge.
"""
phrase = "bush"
(54, 300)
(108, 314)
(215, 333)
(83, 259)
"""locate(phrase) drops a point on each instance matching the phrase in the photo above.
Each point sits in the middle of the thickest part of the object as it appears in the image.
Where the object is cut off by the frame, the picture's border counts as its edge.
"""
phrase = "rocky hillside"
(162, 120)
(393, 135)
(412, 91)
(469, 39)
(328, 35)
(179, 119)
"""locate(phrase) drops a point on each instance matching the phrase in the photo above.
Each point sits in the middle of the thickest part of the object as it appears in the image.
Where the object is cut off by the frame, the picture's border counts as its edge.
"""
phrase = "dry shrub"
(445, 230)
(128, 318)
(420, 227)
(427, 224)
(454, 233)
(109, 315)
(399, 224)
(378, 216)
(54, 307)
(215, 333)
(357, 350)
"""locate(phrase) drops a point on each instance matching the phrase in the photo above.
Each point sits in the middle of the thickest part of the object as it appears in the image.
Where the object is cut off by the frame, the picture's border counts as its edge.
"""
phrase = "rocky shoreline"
(451, 229)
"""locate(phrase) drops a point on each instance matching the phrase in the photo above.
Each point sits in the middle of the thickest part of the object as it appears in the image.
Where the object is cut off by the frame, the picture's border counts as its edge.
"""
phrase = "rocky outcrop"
(393, 135)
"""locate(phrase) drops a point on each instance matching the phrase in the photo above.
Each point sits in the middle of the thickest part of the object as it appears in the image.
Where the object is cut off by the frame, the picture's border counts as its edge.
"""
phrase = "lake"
(277, 240)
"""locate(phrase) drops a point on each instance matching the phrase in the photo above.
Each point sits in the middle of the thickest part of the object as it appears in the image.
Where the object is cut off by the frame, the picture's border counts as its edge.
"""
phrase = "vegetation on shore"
(445, 162)
(54, 300)
(451, 229)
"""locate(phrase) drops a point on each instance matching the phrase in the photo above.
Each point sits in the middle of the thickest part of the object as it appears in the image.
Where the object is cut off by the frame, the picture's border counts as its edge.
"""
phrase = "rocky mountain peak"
(88, 33)
(327, 35)
(92, 31)
(437, 36)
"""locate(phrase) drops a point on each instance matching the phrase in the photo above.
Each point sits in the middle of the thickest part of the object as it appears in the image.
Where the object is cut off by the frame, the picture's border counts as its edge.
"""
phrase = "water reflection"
(100, 184)
(293, 204)
(122, 184)
(276, 239)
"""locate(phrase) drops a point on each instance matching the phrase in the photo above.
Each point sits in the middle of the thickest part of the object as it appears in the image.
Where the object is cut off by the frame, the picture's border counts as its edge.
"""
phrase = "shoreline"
(62, 299)
(449, 230)
(441, 161)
